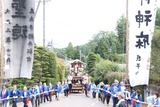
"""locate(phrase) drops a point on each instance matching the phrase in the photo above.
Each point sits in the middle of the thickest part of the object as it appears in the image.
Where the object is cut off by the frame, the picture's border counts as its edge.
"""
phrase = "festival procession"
(74, 53)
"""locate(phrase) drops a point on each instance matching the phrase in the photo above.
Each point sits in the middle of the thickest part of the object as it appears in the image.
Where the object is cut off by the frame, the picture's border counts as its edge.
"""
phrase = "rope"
(114, 95)
(32, 95)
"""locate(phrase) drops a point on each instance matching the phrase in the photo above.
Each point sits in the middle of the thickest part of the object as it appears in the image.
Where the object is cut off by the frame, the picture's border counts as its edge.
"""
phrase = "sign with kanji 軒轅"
(142, 15)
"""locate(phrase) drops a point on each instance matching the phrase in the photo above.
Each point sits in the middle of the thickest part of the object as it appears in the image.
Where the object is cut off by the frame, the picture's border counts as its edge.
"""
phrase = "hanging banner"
(19, 37)
(142, 15)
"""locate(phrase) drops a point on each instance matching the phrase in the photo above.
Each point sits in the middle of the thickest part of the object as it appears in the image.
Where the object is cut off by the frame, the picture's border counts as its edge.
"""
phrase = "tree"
(91, 62)
(121, 32)
(103, 68)
(155, 55)
(70, 51)
(60, 70)
(77, 53)
(158, 17)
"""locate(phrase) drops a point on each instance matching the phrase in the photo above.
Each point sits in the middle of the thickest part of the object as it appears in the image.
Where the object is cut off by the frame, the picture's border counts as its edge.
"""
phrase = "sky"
(77, 21)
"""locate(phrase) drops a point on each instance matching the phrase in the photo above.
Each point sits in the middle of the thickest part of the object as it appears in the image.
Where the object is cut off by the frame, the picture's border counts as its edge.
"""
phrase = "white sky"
(77, 21)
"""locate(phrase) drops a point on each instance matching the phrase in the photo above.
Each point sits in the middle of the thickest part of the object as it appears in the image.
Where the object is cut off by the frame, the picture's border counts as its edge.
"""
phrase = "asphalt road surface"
(74, 100)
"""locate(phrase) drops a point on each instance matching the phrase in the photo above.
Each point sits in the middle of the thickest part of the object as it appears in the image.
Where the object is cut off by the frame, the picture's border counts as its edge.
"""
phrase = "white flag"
(19, 37)
(142, 15)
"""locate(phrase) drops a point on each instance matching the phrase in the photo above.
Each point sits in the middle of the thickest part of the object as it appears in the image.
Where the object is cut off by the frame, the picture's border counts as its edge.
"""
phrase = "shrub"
(111, 76)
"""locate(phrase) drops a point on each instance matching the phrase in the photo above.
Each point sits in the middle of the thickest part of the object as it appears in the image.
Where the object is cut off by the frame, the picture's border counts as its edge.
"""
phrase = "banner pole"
(2, 45)
(127, 43)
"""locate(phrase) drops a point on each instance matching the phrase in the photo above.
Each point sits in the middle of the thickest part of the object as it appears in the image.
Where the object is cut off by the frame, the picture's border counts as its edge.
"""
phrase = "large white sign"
(19, 37)
(142, 15)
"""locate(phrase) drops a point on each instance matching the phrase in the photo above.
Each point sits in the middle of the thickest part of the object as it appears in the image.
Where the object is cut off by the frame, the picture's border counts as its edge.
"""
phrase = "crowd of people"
(121, 95)
(41, 93)
(38, 94)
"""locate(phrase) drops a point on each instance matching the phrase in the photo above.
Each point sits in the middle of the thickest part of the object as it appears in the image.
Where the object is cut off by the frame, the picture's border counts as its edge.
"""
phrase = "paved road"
(74, 100)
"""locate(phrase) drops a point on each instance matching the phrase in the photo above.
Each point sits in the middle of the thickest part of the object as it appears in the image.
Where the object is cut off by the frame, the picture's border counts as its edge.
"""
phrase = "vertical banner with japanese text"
(142, 15)
(19, 37)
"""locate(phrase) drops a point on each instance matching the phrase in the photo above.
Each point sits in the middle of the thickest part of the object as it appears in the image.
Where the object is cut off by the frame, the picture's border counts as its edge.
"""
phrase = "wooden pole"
(127, 42)
(2, 44)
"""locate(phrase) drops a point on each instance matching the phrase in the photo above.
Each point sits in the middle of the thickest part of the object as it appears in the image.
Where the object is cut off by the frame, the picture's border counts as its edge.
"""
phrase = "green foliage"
(111, 76)
(155, 57)
(121, 32)
(70, 51)
(158, 17)
(91, 61)
(103, 68)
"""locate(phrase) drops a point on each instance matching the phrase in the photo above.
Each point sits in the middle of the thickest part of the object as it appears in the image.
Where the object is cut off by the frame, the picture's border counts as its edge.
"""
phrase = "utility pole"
(80, 55)
(44, 23)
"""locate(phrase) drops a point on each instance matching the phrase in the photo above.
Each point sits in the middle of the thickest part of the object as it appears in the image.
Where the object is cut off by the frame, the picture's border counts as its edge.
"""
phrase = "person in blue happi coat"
(33, 93)
(38, 94)
(94, 90)
(42, 94)
(15, 93)
(115, 88)
(136, 98)
(4, 96)
(46, 92)
(50, 88)
(25, 95)
(108, 94)
(98, 89)
(59, 90)
(66, 89)
(89, 89)
(154, 100)
(104, 89)
(56, 90)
